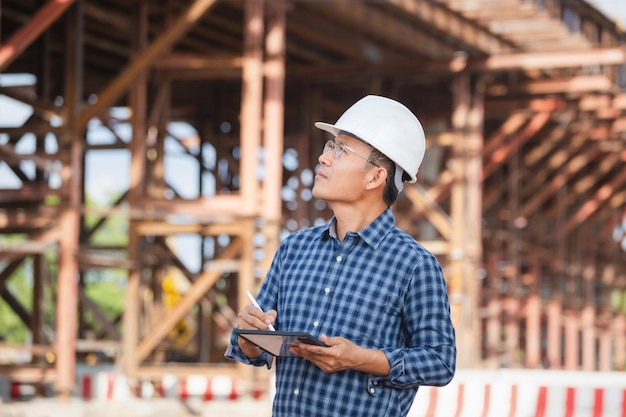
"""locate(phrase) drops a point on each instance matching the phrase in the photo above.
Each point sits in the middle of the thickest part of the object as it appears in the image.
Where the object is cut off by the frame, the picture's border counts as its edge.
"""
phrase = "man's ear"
(376, 177)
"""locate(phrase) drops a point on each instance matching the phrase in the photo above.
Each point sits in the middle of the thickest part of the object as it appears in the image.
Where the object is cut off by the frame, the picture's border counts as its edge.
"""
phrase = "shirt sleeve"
(234, 352)
(430, 355)
(267, 298)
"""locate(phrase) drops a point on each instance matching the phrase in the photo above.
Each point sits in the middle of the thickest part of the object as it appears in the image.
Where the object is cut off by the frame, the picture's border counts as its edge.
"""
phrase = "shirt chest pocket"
(364, 317)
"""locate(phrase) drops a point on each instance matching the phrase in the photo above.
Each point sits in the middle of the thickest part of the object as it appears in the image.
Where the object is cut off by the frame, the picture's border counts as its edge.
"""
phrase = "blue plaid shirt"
(378, 288)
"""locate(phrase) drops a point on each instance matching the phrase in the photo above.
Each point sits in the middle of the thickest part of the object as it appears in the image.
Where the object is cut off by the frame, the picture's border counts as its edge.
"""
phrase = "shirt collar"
(373, 234)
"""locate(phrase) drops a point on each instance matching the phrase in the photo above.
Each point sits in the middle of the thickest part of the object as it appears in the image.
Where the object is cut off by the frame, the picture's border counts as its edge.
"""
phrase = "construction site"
(185, 129)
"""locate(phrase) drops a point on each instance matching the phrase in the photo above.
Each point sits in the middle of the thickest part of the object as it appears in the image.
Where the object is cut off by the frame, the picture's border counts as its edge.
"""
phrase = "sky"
(615, 9)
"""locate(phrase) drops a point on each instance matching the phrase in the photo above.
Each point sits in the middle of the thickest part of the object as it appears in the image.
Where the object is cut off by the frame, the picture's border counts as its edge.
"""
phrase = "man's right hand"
(251, 318)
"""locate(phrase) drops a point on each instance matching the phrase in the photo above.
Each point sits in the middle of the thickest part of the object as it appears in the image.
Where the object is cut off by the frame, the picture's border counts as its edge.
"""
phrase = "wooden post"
(533, 331)
(251, 106)
(588, 320)
(572, 329)
(138, 103)
(554, 316)
(466, 249)
(71, 174)
(251, 124)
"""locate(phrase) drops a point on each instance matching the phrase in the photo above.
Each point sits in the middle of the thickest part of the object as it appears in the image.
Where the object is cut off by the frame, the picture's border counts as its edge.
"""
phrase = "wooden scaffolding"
(522, 195)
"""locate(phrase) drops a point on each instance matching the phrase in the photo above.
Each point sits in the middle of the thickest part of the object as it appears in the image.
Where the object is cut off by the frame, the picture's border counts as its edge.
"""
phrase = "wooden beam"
(548, 190)
(439, 17)
(433, 212)
(117, 87)
(40, 106)
(601, 195)
(29, 373)
(197, 290)
(187, 61)
(324, 33)
(537, 122)
(16, 306)
(579, 190)
(274, 115)
(574, 85)
(227, 205)
(25, 36)
(99, 315)
(550, 60)
(384, 26)
(511, 125)
(251, 106)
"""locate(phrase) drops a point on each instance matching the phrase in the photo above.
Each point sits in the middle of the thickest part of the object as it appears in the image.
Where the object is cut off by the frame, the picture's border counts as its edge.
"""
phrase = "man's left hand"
(342, 354)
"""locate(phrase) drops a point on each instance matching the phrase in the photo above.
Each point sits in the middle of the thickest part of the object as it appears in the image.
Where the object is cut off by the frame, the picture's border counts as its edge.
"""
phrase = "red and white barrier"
(197, 386)
(525, 393)
(111, 386)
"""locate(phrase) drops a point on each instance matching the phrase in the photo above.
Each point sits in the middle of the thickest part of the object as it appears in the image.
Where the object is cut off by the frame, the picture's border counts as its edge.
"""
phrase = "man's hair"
(390, 192)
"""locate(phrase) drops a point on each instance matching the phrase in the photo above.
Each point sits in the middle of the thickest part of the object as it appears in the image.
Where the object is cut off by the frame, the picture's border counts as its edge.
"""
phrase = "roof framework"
(522, 195)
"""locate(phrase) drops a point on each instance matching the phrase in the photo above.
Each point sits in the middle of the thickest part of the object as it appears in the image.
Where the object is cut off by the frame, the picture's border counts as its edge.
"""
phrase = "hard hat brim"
(330, 128)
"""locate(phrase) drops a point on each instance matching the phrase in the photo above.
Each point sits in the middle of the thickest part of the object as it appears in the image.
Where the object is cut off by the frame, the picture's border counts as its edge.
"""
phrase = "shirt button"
(339, 258)
(372, 390)
(296, 391)
(375, 382)
(316, 323)
(327, 290)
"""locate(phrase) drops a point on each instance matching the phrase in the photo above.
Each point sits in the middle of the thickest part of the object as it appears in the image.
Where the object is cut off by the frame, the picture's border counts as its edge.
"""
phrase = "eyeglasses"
(339, 147)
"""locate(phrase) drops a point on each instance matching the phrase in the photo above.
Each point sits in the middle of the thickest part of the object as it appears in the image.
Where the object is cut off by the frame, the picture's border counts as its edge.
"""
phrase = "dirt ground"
(137, 408)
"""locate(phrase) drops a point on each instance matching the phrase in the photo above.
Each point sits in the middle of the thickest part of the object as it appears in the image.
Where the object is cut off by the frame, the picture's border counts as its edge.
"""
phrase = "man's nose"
(325, 157)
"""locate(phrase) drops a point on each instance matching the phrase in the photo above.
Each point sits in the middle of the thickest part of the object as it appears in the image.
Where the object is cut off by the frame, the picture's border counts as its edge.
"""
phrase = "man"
(367, 289)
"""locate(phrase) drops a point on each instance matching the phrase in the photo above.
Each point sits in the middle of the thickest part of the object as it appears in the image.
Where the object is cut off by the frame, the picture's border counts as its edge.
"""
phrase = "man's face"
(341, 178)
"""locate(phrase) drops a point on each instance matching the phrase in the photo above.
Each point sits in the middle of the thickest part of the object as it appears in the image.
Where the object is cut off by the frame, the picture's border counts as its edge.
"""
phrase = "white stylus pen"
(254, 303)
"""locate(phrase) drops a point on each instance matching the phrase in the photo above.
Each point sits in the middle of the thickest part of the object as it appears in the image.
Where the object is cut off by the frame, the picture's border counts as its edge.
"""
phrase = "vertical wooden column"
(251, 106)
(466, 250)
(493, 327)
(274, 111)
(251, 125)
(533, 315)
(553, 334)
(511, 330)
(572, 329)
(273, 126)
(606, 319)
(69, 223)
(273, 138)
(137, 99)
(619, 325)
(37, 317)
(588, 319)
(620, 342)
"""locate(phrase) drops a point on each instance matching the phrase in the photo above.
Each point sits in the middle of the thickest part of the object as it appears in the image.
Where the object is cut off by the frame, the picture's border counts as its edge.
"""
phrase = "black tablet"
(277, 342)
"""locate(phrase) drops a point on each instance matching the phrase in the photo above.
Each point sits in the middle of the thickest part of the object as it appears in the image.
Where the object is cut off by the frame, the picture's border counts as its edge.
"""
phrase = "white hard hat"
(387, 126)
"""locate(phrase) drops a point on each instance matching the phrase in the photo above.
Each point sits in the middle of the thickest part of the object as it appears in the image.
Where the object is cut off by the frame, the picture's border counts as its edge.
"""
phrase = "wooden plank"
(467, 31)
(600, 196)
(544, 61)
(197, 290)
(251, 107)
(117, 87)
(573, 85)
(43, 19)
(111, 331)
(431, 210)
(537, 122)
(383, 26)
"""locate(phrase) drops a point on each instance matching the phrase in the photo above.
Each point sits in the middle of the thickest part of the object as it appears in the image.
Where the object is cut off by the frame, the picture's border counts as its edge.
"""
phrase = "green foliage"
(105, 287)
(12, 329)
(109, 296)
(113, 232)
